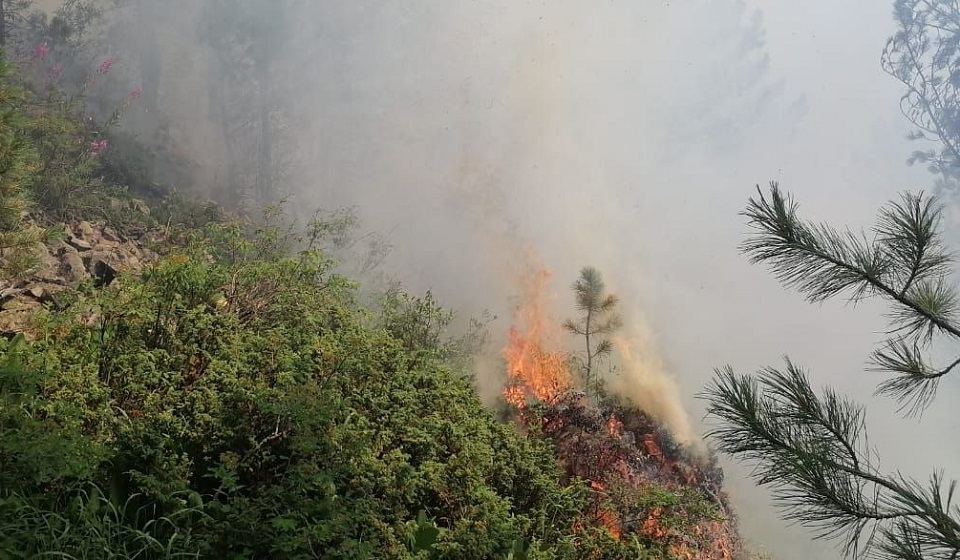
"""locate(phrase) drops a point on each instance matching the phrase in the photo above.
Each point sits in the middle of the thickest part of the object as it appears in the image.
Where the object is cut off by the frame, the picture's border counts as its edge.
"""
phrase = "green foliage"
(64, 140)
(177, 210)
(904, 263)
(599, 318)
(236, 400)
(77, 172)
(35, 449)
(812, 449)
(86, 524)
(425, 533)
(423, 328)
(923, 55)
(241, 404)
(677, 510)
(18, 168)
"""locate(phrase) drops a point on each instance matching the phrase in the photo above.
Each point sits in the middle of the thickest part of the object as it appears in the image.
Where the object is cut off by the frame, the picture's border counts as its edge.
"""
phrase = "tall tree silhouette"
(924, 55)
(249, 38)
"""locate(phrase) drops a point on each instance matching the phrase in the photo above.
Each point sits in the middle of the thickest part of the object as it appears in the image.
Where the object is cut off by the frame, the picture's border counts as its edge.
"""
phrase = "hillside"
(225, 385)
(179, 379)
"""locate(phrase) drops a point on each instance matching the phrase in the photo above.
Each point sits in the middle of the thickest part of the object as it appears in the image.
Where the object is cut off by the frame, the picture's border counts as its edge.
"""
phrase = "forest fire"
(533, 371)
(644, 482)
(615, 427)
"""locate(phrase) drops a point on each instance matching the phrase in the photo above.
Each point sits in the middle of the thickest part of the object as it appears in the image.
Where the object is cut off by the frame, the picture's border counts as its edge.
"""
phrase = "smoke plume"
(619, 134)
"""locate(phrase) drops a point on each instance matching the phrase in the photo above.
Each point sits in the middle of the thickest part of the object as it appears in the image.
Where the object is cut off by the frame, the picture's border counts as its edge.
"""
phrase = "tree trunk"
(589, 353)
(219, 101)
(3, 24)
(265, 145)
(151, 67)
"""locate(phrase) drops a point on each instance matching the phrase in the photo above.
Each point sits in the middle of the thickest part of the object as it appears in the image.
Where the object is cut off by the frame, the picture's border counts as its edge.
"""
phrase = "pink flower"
(136, 93)
(56, 70)
(40, 51)
(105, 65)
(98, 146)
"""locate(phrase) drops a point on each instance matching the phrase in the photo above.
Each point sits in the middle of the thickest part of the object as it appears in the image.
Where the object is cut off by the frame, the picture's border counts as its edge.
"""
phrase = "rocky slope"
(85, 253)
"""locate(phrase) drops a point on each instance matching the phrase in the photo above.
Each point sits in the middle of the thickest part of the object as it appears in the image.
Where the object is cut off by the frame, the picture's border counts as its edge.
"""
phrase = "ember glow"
(619, 450)
(615, 426)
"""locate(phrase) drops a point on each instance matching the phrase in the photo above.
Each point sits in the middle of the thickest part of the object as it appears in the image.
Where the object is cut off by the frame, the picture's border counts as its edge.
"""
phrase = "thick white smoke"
(619, 134)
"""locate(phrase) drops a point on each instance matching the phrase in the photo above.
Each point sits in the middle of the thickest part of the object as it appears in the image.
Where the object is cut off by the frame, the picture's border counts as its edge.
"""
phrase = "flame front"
(532, 369)
(621, 449)
(615, 427)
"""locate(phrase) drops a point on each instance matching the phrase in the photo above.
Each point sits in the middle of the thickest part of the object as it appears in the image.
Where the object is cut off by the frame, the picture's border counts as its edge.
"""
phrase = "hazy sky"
(628, 135)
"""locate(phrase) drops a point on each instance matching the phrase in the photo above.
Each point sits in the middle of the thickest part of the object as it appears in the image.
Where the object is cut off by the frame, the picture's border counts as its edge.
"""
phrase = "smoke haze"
(485, 137)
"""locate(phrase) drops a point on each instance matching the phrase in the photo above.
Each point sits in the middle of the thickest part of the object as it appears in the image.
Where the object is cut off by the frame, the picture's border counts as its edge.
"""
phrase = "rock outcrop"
(87, 252)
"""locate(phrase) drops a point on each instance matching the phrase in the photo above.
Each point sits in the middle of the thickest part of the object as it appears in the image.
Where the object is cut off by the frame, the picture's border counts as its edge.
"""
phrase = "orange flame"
(651, 525)
(615, 426)
(611, 522)
(533, 370)
(538, 370)
(609, 519)
(652, 448)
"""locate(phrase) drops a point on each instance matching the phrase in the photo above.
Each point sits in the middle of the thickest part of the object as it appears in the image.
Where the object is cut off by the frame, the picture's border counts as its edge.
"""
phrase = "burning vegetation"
(646, 485)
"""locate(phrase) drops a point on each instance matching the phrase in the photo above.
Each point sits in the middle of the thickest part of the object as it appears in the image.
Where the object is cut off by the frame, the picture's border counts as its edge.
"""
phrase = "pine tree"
(17, 165)
(812, 449)
(924, 55)
(599, 318)
(249, 39)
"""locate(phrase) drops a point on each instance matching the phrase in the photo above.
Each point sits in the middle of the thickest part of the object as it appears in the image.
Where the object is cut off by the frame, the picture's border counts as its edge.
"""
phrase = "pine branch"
(811, 450)
(916, 383)
(574, 327)
(909, 233)
(815, 259)
(608, 303)
(603, 348)
(905, 263)
(933, 303)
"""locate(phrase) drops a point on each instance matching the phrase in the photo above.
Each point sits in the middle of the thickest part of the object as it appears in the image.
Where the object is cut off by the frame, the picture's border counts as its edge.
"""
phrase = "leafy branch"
(924, 55)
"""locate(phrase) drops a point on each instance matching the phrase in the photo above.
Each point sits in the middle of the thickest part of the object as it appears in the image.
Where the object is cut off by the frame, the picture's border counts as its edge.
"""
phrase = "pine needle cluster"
(812, 449)
(903, 261)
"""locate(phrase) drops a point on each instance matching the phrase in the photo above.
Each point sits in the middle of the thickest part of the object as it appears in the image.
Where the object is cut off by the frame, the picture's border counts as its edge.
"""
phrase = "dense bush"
(18, 170)
(237, 402)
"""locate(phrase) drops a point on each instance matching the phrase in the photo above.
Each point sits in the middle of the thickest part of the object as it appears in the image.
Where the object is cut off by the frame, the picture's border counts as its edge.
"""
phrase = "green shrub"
(18, 170)
(245, 394)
